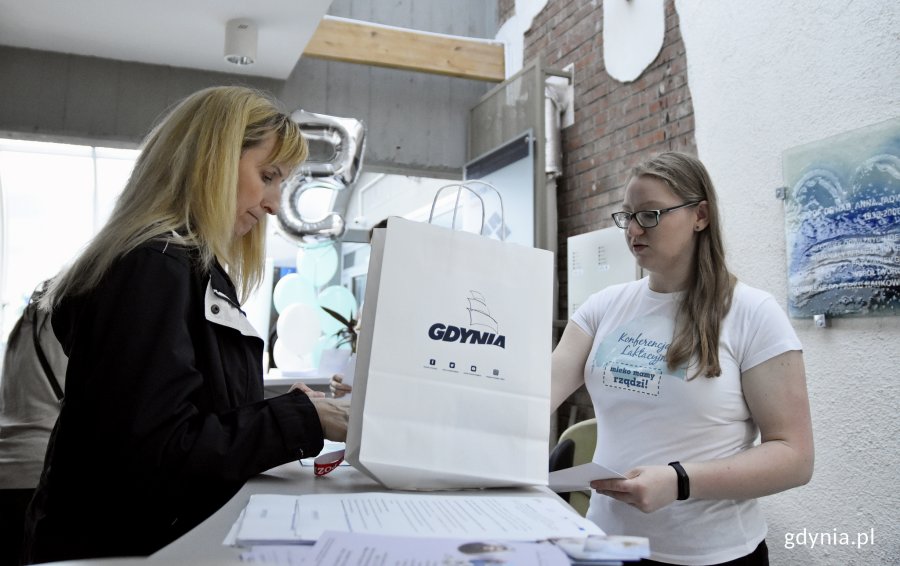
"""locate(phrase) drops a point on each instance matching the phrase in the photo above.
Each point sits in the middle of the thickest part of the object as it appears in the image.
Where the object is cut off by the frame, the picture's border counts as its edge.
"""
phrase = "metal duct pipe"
(554, 105)
(556, 101)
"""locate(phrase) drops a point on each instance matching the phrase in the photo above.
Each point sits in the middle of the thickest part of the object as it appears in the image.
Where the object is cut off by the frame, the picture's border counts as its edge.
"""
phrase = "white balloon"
(285, 359)
(299, 328)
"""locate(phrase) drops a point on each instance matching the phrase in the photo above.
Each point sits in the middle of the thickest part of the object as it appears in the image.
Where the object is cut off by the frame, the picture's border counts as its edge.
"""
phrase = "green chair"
(575, 447)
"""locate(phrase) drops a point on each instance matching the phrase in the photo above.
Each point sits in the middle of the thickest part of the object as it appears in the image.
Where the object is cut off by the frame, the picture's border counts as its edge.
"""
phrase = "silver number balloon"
(306, 231)
(336, 147)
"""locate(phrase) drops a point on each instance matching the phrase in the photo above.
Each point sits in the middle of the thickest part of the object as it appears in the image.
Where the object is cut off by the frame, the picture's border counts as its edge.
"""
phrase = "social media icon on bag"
(452, 365)
(473, 369)
(496, 372)
(432, 362)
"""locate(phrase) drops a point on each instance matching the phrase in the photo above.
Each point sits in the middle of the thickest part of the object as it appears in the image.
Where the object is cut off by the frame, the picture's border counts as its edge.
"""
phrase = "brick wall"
(617, 125)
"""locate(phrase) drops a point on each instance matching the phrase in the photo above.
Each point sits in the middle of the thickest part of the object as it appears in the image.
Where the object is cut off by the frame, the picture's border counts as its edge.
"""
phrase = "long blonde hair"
(185, 180)
(707, 298)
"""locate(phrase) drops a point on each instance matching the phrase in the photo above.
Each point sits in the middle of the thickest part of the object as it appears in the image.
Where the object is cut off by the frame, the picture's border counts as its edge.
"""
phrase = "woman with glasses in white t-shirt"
(697, 381)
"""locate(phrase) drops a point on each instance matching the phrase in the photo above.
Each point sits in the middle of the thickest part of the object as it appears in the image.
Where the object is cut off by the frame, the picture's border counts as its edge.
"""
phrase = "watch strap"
(684, 483)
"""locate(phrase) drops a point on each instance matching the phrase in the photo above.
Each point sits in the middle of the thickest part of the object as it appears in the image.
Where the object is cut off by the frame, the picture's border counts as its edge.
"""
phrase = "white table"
(202, 546)
(204, 542)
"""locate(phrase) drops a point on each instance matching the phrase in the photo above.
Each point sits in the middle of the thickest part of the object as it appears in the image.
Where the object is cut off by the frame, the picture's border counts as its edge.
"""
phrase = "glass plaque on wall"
(842, 222)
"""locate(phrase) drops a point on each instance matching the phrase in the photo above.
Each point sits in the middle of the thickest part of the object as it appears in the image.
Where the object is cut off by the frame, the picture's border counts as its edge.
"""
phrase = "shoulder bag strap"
(39, 322)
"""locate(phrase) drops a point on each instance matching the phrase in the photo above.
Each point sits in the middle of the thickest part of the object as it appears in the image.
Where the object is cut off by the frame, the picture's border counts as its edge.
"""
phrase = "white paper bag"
(452, 382)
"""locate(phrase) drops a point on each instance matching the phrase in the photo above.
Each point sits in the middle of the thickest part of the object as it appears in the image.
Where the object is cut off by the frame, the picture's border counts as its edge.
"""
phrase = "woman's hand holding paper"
(338, 387)
(647, 488)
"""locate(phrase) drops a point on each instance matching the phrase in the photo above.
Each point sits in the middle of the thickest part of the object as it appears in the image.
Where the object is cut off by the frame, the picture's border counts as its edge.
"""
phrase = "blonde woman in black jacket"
(164, 417)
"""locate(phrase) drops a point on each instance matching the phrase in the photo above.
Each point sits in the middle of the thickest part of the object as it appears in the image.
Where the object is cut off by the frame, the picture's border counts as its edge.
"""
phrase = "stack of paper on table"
(335, 548)
(289, 519)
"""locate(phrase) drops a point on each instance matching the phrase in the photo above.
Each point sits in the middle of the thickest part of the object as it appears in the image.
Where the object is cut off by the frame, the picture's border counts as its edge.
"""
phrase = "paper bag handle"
(459, 188)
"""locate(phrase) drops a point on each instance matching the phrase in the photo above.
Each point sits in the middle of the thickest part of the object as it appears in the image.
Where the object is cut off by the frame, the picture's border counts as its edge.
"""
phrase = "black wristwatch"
(684, 483)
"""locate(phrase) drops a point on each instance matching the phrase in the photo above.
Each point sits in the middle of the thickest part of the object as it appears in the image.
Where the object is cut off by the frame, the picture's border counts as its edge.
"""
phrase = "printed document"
(336, 548)
(274, 519)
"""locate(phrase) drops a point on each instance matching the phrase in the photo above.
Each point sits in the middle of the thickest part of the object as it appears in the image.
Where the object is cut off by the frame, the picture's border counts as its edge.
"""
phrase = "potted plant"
(348, 334)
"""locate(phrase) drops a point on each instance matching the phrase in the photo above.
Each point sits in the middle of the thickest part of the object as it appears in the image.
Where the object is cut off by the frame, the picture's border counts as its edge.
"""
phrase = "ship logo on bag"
(487, 331)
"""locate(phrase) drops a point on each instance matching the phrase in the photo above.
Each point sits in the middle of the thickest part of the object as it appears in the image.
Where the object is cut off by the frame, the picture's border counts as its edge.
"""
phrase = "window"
(53, 199)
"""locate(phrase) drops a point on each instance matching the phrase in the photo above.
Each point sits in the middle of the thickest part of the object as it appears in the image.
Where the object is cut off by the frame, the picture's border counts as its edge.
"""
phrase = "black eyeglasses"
(645, 218)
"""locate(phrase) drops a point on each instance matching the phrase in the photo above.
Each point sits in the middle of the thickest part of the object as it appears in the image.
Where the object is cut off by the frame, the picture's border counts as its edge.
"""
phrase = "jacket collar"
(221, 304)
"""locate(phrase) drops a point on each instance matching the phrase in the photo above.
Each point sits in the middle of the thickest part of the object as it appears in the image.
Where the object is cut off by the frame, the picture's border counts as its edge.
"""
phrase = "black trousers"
(759, 557)
(13, 503)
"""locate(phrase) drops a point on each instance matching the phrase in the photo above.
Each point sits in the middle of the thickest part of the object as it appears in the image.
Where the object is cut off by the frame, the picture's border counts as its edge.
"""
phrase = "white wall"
(511, 33)
(766, 76)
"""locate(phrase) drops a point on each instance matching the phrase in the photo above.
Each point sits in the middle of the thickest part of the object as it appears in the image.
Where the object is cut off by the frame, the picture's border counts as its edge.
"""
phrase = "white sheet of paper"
(335, 548)
(579, 478)
(231, 537)
(288, 555)
(333, 361)
(274, 519)
(349, 371)
(268, 519)
(607, 547)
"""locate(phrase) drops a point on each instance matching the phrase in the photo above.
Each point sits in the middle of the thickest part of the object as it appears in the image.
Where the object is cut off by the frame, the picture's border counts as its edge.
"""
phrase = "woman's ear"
(701, 220)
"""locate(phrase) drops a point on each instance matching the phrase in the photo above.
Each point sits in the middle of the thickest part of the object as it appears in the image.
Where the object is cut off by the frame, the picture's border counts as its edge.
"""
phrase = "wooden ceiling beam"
(351, 41)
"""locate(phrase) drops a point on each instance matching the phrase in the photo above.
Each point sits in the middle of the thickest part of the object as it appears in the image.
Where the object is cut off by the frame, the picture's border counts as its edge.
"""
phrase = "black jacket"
(164, 417)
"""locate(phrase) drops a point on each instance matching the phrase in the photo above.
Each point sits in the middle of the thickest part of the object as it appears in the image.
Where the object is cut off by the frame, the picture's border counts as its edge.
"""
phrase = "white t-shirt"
(647, 415)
